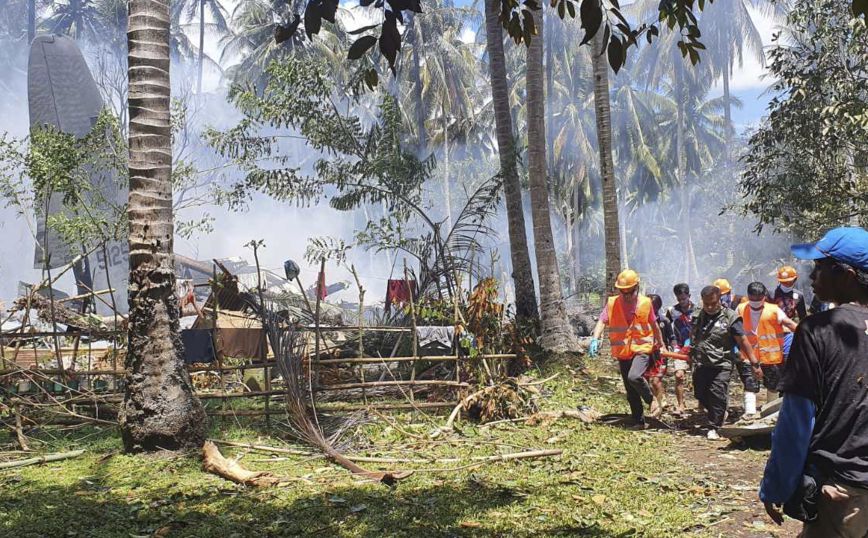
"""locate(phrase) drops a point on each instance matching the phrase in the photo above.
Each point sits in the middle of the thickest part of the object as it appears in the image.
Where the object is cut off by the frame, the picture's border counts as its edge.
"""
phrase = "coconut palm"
(729, 32)
(75, 18)
(442, 98)
(525, 296)
(218, 25)
(571, 148)
(556, 332)
(607, 167)
(159, 409)
(255, 22)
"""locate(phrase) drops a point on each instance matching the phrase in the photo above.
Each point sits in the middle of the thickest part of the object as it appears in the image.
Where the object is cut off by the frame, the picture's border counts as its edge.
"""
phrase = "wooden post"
(361, 328)
(455, 323)
(114, 310)
(264, 339)
(413, 323)
(218, 355)
(316, 324)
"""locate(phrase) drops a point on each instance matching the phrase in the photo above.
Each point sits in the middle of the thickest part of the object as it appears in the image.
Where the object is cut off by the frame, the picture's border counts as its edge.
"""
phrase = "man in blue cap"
(818, 467)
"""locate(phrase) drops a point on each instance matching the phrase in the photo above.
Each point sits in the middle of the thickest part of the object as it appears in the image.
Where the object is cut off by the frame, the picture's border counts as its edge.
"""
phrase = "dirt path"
(729, 475)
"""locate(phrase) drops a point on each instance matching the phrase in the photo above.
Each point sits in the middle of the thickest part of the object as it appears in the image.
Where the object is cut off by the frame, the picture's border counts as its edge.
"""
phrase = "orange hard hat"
(787, 274)
(627, 279)
(723, 285)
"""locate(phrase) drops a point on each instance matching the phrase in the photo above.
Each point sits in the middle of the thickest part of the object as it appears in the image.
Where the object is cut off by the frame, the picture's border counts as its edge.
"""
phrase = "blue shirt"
(790, 441)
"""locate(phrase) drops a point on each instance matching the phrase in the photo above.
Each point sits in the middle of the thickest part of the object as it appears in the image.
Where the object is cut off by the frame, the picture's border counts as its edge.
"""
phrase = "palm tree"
(557, 334)
(75, 18)
(729, 32)
(218, 24)
(443, 97)
(607, 167)
(525, 296)
(159, 409)
(253, 41)
(571, 148)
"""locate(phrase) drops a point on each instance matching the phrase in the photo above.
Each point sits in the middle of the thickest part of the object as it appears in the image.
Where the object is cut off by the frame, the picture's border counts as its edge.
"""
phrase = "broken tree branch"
(213, 462)
(41, 459)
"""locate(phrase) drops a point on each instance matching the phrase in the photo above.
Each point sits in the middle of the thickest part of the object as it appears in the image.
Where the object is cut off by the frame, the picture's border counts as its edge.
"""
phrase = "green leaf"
(616, 53)
(361, 46)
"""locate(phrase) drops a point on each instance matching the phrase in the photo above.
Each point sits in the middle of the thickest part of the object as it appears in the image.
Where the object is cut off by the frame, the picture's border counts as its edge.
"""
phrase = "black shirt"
(666, 329)
(713, 338)
(791, 302)
(828, 364)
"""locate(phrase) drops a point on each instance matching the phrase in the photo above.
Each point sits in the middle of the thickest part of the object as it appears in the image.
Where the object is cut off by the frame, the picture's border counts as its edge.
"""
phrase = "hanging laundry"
(399, 292)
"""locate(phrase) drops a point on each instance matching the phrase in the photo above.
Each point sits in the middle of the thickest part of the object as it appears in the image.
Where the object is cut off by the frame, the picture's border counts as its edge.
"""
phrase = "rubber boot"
(749, 403)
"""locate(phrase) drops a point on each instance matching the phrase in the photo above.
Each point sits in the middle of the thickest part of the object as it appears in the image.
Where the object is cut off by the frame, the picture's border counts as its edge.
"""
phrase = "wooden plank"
(415, 383)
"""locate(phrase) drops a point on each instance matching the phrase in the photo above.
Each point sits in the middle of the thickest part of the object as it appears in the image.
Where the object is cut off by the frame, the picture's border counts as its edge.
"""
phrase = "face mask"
(786, 289)
(756, 305)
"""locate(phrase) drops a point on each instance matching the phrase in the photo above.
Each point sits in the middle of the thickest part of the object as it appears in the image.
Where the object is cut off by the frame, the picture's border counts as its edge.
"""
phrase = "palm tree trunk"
(607, 167)
(525, 296)
(577, 253)
(622, 233)
(549, 91)
(416, 73)
(447, 194)
(727, 106)
(690, 268)
(566, 215)
(159, 409)
(31, 21)
(557, 334)
(201, 46)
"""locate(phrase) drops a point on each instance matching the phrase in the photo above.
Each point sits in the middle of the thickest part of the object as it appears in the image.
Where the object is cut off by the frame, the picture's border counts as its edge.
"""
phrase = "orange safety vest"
(629, 339)
(768, 340)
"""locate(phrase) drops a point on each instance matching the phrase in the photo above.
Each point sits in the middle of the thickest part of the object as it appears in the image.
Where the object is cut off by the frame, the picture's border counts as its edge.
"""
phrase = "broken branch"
(41, 459)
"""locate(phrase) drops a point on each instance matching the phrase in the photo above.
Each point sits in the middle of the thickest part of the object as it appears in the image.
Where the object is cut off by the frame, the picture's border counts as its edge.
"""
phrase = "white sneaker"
(712, 435)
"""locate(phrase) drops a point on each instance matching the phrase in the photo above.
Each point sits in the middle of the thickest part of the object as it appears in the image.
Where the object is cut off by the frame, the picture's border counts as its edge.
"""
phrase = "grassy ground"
(608, 482)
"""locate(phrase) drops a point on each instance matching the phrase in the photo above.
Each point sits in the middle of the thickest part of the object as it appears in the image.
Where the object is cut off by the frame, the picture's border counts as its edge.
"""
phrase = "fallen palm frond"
(300, 408)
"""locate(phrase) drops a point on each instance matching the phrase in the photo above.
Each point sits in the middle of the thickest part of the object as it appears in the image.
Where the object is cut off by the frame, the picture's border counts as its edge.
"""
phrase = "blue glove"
(687, 343)
(594, 348)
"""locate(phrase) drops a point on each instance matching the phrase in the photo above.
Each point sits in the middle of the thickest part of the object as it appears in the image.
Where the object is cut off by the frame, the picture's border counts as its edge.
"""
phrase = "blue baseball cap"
(848, 244)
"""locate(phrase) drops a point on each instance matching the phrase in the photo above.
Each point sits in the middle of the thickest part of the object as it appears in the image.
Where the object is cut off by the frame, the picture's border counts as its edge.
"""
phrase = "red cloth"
(399, 292)
(655, 367)
(321, 291)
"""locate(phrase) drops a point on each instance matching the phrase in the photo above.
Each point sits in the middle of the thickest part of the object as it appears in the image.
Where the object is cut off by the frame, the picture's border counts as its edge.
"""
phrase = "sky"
(285, 228)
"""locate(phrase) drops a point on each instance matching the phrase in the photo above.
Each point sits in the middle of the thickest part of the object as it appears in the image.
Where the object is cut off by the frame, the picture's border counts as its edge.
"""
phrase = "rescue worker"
(790, 300)
(787, 297)
(726, 297)
(764, 324)
(680, 315)
(749, 382)
(715, 333)
(821, 436)
(656, 371)
(633, 336)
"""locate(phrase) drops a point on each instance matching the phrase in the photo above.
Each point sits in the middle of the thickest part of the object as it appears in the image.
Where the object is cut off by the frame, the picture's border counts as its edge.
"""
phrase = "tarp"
(238, 335)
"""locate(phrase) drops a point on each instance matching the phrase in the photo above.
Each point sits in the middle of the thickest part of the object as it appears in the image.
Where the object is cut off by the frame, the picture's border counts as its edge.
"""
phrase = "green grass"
(608, 482)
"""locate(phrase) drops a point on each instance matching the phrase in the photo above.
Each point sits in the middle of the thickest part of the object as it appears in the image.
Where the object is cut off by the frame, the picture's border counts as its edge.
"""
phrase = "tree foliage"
(805, 167)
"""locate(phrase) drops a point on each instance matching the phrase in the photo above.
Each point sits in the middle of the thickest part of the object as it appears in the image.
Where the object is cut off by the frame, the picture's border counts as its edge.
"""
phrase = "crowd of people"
(815, 356)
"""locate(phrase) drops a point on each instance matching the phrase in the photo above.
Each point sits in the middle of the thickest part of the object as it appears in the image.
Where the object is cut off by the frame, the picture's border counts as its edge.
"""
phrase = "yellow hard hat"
(627, 279)
(723, 285)
(787, 274)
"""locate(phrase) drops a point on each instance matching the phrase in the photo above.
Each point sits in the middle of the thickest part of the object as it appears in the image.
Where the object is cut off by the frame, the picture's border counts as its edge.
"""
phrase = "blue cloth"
(848, 244)
(788, 342)
(790, 441)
